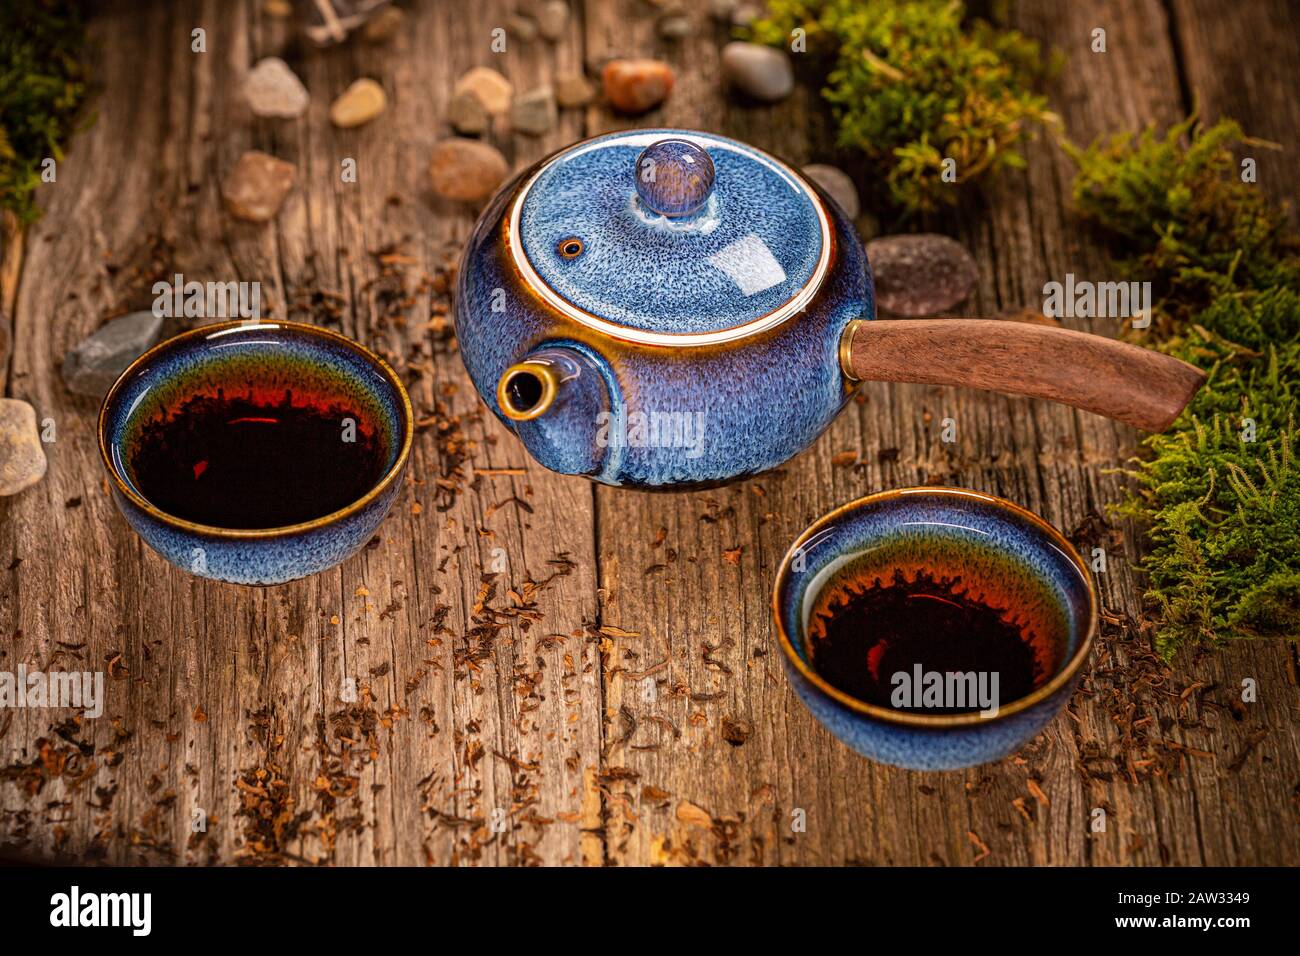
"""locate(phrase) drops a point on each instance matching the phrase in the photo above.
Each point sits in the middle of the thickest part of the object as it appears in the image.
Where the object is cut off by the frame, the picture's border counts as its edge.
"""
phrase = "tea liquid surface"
(870, 632)
(237, 463)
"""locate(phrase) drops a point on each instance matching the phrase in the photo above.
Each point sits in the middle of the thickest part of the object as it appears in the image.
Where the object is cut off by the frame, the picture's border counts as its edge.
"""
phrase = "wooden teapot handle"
(1125, 382)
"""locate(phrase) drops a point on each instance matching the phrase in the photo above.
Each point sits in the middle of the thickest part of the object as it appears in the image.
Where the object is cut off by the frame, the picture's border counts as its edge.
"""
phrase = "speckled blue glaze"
(648, 271)
(235, 357)
(758, 398)
(674, 177)
(264, 560)
(957, 521)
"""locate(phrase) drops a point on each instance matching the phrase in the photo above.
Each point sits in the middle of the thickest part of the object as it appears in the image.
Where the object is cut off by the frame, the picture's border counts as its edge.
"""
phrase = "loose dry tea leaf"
(693, 816)
(736, 730)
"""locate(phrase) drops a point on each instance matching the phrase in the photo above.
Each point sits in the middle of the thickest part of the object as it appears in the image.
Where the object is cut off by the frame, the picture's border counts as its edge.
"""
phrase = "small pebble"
(274, 90)
(491, 88)
(552, 19)
(360, 103)
(384, 25)
(533, 113)
(836, 182)
(466, 170)
(573, 90)
(522, 28)
(255, 189)
(674, 27)
(467, 115)
(636, 86)
(920, 274)
(760, 72)
(94, 363)
(22, 459)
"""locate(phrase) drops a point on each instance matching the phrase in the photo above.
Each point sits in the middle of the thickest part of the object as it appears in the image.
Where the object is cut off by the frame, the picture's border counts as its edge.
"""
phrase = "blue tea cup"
(901, 560)
(290, 373)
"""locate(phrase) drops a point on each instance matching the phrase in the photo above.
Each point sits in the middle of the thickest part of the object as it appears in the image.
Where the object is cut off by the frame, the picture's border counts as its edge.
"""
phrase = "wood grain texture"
(547, 671)
(1133, 385)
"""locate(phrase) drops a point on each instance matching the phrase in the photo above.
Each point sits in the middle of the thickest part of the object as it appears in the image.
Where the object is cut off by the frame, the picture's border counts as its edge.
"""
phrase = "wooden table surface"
(502, 626)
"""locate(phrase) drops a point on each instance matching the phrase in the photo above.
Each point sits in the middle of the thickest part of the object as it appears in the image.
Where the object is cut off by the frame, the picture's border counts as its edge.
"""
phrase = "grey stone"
(534, 112)
(274, 90)
(22, 458)
(836, 182)
(921, 274)
(94, 364)
(760, 72)
(467, 114)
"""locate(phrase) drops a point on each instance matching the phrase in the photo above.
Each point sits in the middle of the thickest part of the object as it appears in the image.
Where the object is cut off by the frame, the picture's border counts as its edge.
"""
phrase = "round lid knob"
(674, 177)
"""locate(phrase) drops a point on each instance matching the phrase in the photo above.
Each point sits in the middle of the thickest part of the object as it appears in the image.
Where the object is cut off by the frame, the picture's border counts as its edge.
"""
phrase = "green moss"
(912, 82)
(42, 88)
(1223, 509)
(1182, 215)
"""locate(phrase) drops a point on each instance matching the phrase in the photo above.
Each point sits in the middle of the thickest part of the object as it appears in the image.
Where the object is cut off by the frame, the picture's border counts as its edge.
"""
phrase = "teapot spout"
(556, 400)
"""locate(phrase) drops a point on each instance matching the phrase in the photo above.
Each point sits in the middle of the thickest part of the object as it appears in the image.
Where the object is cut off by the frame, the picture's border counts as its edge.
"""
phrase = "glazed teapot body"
(653, 350)
(668, 308)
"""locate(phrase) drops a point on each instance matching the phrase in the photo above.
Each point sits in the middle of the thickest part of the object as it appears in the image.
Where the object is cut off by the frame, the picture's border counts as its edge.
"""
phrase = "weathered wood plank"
(1233, 66)
(703, 621)
(675, 738)
(458, 724)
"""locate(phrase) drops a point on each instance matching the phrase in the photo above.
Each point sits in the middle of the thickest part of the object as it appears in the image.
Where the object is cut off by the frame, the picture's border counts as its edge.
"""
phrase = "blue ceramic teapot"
(667, 308)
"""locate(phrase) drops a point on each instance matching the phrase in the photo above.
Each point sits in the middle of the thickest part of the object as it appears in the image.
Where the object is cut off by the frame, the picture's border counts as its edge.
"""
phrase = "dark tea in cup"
(890, 639)
(256, 452)
(237, 462)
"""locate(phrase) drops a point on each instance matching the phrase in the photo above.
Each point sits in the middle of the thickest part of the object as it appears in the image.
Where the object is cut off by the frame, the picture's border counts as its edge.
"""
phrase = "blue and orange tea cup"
(315, 367)
(996, 552)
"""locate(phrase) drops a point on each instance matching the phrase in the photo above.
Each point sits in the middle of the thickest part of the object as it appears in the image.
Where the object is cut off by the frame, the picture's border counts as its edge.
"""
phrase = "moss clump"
(1183, 217)
(912, 82)
(1221, 488)
(42, 87)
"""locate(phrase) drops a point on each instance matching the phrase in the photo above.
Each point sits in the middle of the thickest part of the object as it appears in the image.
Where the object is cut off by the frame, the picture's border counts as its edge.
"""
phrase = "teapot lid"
(670, 237)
